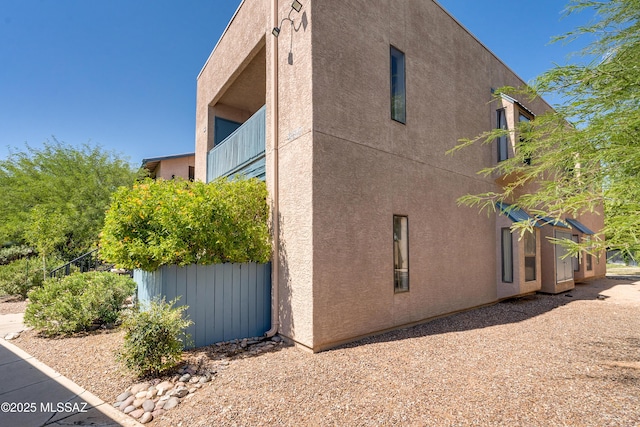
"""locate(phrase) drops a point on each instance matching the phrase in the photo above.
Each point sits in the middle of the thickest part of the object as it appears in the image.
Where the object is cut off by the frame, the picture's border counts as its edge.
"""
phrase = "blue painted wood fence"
(226, 301)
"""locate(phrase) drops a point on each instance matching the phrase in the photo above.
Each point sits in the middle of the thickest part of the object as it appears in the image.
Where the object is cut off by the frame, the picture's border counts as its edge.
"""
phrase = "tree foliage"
(179, 222)
(587, 151)
(55, 197)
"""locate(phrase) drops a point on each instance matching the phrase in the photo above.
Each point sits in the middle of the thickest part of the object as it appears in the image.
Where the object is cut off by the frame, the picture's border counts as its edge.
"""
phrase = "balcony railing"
(242, 152)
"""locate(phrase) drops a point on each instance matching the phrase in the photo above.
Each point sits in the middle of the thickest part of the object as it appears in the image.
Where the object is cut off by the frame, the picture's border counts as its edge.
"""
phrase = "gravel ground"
(566, 360)
(12, 305)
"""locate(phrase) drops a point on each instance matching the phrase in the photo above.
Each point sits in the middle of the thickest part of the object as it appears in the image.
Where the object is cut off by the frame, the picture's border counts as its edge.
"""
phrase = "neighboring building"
(348, 115)
(170, 167)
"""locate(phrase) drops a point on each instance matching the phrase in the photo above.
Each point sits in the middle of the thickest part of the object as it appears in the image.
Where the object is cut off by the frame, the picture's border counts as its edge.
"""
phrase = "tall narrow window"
(588, 257)
(507, 256)
(398, 87)
(576, 259)
(523, 141)
(529, 256)
(400, 253)
(503, 141)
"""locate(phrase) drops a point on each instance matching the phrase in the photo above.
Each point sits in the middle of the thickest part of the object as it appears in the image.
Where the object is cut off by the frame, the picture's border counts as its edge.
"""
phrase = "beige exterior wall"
(295, 152)
(173, 168)
(241, 43)
(345, 168)
(595, 222)
(368, 167)
(550, 283)
(519, 286)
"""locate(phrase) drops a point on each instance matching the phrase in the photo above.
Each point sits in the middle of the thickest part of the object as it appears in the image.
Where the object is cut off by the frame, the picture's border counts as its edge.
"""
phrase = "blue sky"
(122, 73)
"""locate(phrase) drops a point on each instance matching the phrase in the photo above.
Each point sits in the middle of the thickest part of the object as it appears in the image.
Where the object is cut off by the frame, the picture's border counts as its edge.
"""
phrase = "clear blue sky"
(122, 73)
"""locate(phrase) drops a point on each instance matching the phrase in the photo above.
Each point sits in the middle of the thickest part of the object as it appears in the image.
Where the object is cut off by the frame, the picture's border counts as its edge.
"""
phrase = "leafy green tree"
(46, 230)
(55, 197)
(587, 151)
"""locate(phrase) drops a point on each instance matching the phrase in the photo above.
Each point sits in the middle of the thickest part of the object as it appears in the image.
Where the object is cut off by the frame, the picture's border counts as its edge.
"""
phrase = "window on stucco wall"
(507, 255)
(529, 256)
(398, 86)
(503, 141)
(400, 253)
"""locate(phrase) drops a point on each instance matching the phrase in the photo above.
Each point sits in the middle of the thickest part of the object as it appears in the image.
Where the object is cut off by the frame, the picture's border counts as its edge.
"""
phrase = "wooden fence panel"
(226, 301)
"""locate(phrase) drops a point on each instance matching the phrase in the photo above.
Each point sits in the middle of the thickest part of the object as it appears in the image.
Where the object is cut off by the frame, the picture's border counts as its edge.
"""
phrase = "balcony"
(242, 152)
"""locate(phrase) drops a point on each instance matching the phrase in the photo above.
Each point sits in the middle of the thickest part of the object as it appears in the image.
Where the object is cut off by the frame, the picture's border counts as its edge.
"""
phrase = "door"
(564, 263)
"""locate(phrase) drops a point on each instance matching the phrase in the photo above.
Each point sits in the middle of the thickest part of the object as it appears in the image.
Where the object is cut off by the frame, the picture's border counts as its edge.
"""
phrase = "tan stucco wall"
(594, 221)
(295, 161)
(550, 282)
(519, 286)
(242, 41)
(368, 167)
(345, 168)
(173, 168)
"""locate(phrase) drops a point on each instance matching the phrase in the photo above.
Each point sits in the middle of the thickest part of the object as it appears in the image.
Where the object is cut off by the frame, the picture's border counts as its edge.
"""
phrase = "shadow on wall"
(286, 291)
(509, 311)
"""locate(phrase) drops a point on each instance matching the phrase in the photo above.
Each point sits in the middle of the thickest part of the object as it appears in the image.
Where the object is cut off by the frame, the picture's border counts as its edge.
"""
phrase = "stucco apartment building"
(170, 167)
(347, 114)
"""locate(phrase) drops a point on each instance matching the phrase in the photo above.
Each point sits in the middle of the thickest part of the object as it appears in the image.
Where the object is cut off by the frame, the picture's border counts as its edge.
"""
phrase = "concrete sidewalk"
(34, 395)
(11, 323)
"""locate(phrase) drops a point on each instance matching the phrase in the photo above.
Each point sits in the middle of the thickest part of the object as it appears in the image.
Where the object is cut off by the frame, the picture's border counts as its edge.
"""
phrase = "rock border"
(148, 400)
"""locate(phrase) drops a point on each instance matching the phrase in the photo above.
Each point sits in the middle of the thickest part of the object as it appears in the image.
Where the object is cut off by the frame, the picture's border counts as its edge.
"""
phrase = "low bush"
(178, 222)
(13, 253)
(77, 302)
(19, 277)
(154, 337)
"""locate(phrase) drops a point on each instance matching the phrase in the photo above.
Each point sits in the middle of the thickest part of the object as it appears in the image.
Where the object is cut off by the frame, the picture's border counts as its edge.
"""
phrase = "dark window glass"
(398, 87)
(503, 141)
(527, 157)
(400, 253)
(576, 259)
(507, 256)
(529, 256)
(192, 173)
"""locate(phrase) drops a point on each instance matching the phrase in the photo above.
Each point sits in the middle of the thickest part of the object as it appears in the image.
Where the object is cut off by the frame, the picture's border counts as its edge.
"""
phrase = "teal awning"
(516, 214)
(580, 226)
(545, 220)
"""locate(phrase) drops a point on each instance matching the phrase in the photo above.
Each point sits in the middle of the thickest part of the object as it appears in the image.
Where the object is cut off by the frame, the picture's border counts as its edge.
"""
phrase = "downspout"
(275, 213)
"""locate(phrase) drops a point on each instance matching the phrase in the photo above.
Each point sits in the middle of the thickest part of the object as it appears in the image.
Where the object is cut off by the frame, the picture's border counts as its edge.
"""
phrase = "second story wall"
(449, 77)
(231, 84)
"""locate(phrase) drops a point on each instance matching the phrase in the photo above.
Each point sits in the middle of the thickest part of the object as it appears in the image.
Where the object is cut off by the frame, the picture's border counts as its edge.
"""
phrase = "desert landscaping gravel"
(566, 360)
(11, 305)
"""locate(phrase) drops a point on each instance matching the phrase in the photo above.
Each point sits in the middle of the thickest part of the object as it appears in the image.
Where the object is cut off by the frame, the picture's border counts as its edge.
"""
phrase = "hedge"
(180, 222)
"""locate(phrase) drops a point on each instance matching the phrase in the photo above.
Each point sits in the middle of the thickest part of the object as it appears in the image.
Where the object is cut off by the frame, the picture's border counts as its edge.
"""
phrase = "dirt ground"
(571, 359)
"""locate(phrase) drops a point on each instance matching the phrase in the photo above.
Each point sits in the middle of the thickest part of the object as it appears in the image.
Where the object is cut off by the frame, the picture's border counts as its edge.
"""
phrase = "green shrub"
(20, 276)
(179, 222)
(13, 253)
(154, 338)
(77, 302)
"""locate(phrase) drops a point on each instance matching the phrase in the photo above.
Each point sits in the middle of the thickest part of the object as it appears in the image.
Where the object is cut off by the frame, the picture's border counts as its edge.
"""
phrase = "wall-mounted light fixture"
(297, 6)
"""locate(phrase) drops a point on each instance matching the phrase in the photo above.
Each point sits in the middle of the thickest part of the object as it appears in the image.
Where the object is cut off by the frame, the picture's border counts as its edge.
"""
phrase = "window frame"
(504, 267)
(398, 114)
(528, 118)
(588, 257)
(530, 235)
(398, 285)
(576, 259)
(502, 141)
